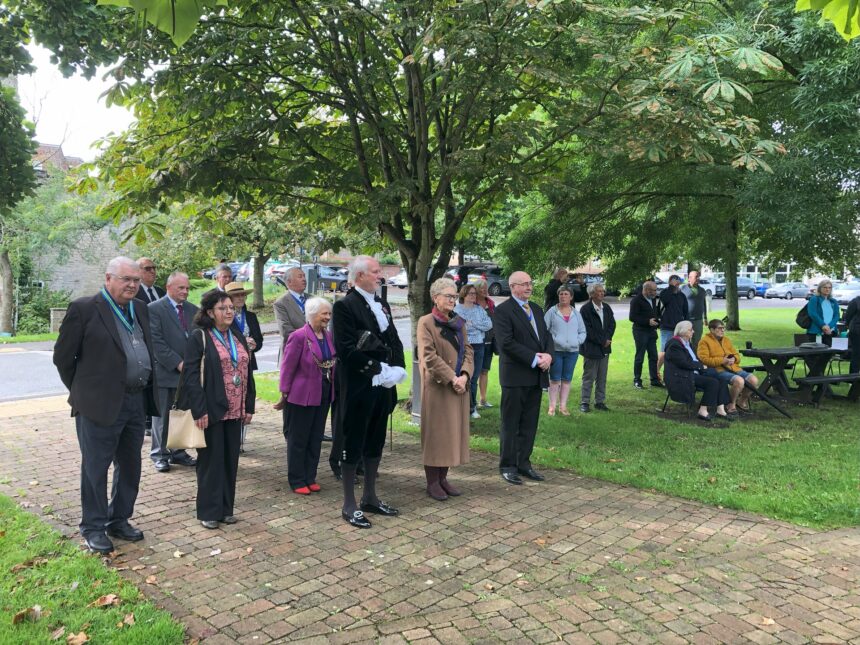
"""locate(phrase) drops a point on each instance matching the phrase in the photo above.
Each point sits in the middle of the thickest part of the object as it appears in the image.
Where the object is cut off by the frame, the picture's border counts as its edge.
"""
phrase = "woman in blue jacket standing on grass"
(823, 311)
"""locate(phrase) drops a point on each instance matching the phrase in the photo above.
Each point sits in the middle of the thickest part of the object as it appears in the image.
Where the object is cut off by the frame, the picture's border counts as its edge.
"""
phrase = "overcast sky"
(68, 111)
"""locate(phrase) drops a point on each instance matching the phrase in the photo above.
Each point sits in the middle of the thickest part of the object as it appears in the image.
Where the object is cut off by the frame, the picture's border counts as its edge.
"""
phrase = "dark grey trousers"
(520, 410)
(120, 444)
(594, 373)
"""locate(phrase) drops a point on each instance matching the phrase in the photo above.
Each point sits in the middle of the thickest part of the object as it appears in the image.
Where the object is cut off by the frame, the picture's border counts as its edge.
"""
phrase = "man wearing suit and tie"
(104, 356)
(148, 291)
(171, 319)
(525, 353)
(290, 307)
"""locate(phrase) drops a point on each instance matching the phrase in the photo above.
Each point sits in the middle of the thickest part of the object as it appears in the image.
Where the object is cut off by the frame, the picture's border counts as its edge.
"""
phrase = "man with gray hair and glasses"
(104, 356)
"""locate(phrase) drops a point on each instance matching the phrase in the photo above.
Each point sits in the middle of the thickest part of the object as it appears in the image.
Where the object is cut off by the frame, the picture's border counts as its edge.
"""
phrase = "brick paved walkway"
(570, 559)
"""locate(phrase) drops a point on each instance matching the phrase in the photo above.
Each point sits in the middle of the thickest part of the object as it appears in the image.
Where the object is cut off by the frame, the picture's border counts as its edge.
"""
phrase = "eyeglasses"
(126, 279)
(225, 308)
(149, 268)
(720, 328)
(448, 296)
(522, 284)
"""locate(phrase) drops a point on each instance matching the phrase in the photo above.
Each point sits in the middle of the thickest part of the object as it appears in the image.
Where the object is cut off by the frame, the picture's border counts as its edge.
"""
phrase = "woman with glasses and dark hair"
(220, 406)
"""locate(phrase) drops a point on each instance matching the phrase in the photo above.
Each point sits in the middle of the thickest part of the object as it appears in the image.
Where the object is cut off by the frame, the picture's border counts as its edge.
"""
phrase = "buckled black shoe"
(99, 543)
(357, 519)
(531, 473)
(125, 532)
(379, 509)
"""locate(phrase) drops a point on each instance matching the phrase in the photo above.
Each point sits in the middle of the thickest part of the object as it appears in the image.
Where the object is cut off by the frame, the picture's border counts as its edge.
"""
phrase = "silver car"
(846, 292)
(787, 290)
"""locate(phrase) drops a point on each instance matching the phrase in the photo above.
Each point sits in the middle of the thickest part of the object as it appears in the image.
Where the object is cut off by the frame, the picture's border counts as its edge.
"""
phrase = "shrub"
(34, 313)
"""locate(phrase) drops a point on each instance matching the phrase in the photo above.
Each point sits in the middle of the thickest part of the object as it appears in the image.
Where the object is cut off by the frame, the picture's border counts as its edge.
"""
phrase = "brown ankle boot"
(434, 488)
(447, 487)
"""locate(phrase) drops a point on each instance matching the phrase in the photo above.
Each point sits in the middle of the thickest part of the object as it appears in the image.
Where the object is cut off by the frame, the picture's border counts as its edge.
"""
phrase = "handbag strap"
(202, 365)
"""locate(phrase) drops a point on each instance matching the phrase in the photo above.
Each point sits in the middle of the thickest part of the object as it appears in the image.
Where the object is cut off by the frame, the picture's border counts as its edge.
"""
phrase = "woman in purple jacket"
(307, 387)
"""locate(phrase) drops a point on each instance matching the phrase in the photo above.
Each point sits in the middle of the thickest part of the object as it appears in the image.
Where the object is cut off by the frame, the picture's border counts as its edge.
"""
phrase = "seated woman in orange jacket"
(717, 352)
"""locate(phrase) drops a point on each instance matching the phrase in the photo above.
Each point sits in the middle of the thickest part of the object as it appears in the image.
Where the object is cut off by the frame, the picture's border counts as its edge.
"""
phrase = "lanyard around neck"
(231, 347)
(129, 326)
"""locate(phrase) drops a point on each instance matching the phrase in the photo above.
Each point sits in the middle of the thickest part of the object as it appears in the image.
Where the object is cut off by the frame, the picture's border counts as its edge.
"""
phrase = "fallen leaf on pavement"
(105, 601)
(32, 614)
(767, 621)
(138, 567)
(215, 552)
(152, 580)
(178, 554)
(250, 549)
(489, 587)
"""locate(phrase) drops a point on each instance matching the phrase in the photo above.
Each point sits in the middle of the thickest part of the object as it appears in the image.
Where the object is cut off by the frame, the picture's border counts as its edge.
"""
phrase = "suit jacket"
(142, 295)
(642, 311)
(596, 334)
(211, 399)
(254, 332)
(518, 344)
(301, 379)
(91, 361)
(169, 339)
(289, 315)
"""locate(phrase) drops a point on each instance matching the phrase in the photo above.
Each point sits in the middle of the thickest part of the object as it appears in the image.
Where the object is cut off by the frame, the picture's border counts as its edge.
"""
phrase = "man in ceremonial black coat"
(367, 346)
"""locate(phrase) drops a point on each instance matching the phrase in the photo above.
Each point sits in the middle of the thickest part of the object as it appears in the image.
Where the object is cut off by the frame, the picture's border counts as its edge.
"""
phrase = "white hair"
(359, 264)
(683, 327)
(314, 306)
(439, 284)
(291, 272)
(595, 285)
(175, 275)
(118, 262)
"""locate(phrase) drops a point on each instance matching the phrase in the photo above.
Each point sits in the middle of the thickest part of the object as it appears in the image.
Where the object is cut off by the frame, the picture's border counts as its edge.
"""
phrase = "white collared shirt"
(599, 310)
(375, 307)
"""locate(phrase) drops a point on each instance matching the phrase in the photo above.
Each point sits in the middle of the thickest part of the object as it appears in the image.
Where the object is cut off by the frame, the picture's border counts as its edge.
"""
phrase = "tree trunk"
(731, 277)
(259, 267)
(7, 289)
(461, 256)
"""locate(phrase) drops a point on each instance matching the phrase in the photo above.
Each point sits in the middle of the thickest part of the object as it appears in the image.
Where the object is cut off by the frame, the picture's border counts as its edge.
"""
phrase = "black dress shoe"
(125, 532)
(512, 478)
(357, 519)
(704, 417)
(186, 460)
(601, 406)
(335, 470)
(380, 509)
(531, 473)
(327, 437)
(638, 385)
(148, 432)
(657, 384)
(162, 466)
(584, 407)
(230, 519)
(209, 524)
(99, 543)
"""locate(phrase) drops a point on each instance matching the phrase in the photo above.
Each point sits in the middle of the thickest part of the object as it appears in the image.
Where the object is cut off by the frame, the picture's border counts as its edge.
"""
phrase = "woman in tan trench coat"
(447, 362)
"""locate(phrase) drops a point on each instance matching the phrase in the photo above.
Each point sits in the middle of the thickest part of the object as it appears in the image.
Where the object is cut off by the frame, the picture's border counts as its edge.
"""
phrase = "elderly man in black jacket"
(599, 330)
(104, 356)
(645, 316)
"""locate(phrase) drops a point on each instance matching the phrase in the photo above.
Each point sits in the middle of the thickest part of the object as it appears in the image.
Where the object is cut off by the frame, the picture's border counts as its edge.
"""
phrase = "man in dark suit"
(148, 291)
(104, 356)
(645, 316)
(525, 353)
(171, 318)
(367, 347)
(599, 329)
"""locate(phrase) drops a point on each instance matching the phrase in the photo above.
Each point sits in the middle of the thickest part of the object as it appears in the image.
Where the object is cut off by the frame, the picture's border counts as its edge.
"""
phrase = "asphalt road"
(27, 370)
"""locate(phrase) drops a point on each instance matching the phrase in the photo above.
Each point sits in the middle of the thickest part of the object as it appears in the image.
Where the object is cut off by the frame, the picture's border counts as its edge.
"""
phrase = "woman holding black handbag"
(220, 405)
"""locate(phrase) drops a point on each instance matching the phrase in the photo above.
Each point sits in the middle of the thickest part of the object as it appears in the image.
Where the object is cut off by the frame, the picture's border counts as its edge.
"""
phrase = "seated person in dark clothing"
(685, 374)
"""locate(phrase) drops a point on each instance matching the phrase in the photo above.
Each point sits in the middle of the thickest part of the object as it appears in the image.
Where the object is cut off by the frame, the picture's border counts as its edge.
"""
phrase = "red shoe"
(304, 490)
(314, 488)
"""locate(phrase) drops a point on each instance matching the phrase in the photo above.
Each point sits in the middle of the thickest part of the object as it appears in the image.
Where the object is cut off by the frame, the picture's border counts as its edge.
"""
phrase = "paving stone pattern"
(570, 559)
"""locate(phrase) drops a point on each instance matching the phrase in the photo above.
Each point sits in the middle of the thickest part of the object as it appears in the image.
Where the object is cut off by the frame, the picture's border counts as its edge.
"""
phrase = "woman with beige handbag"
(220, 404)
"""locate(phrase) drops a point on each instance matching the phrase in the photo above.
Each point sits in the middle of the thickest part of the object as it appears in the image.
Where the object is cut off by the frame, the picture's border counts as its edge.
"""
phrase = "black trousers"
(120, 444)
(364, 424)
(520, 409)
(854, 337)
(646, 341)
(714, 392)
(304, 439)
(217, 465)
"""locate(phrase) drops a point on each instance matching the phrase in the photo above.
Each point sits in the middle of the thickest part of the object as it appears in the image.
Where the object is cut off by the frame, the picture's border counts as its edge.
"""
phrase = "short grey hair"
(683, 327)
(314, 306)
(439, 284)
(223, 267)
(594, 286)
(289, 273)
(823, 283)
(176, 274)
(118, 262)
(359, 264)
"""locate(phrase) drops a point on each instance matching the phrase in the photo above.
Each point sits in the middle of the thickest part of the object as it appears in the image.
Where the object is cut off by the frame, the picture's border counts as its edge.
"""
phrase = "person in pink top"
(307, 390)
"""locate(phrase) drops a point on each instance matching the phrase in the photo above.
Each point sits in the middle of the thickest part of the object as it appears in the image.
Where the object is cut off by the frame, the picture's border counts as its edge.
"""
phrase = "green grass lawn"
(803, 470)
(27, 338)
(41, 568)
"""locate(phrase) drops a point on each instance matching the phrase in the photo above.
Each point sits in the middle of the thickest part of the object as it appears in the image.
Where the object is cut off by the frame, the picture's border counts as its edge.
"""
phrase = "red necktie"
(181, 317)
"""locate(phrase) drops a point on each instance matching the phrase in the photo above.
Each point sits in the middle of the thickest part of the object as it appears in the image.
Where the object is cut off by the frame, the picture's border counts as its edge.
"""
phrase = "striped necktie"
(531, 316)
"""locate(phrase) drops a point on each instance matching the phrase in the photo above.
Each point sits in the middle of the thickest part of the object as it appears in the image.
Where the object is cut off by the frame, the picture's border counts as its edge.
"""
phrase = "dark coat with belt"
(91, 361)
(517, 344)
(254, 332)
(597, 333)
(211, 399)
(680, 371)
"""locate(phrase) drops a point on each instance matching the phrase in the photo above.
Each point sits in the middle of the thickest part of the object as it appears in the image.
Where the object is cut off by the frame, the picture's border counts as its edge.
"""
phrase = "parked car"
(787, 290)
(746, 287)
(761, 288)
(497, 284)
(400, 280)
(460, 273)
(334, 278)
(846, 292)
(708, 285)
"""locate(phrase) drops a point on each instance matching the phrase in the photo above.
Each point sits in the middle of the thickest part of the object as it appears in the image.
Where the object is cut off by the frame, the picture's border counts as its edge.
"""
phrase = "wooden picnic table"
(775, 360)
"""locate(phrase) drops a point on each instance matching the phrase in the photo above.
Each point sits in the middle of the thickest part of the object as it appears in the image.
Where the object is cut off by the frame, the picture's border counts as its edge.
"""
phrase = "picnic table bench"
(820, 385)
